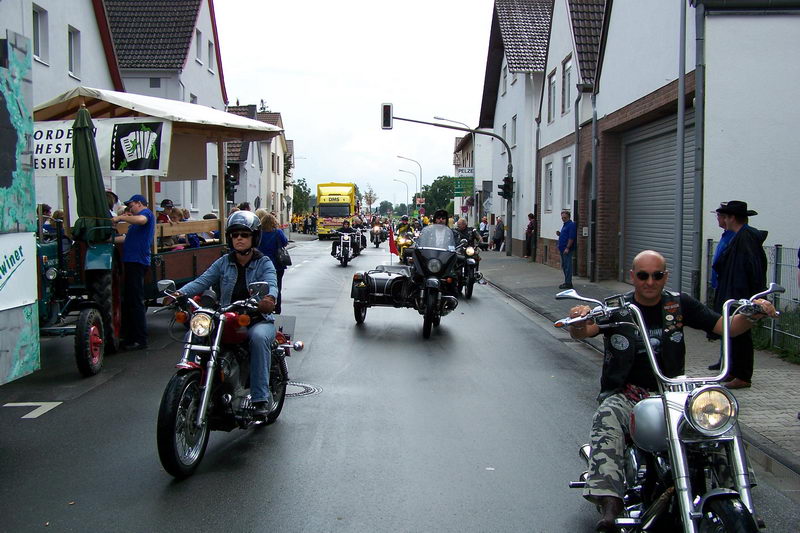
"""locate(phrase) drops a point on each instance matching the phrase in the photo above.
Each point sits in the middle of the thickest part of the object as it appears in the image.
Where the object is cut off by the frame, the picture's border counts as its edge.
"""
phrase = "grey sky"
(327, 67)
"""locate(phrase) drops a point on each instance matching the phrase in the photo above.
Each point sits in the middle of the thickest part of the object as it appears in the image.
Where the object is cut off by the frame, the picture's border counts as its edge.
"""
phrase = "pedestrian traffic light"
(386, 116)
(506, 188)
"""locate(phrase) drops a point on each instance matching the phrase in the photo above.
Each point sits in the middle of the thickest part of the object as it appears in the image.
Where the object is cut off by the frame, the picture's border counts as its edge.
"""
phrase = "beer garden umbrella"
(90, 192)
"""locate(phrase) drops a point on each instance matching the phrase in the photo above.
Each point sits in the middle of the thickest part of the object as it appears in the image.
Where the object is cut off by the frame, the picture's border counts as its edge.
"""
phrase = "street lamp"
(453, 121)
(406, 184)
(419, 191)
(420, 169)
(476, 206)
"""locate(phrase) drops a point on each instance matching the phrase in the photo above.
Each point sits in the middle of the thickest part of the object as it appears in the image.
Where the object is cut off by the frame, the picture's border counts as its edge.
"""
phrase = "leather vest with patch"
(622, 344)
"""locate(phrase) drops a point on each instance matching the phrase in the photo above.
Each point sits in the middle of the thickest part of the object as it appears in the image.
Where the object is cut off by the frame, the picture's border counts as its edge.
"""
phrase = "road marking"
(41, 407)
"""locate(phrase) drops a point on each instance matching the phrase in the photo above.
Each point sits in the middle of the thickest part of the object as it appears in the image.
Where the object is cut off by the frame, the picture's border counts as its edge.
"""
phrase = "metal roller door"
(648, 188)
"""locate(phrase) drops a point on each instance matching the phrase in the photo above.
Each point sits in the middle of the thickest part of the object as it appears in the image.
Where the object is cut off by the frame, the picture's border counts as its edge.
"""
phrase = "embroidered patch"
(670, 317)
(676, 337)
(619, 342)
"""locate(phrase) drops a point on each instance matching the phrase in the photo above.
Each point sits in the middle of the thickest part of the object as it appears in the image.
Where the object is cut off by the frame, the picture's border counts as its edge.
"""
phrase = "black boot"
(612, 507)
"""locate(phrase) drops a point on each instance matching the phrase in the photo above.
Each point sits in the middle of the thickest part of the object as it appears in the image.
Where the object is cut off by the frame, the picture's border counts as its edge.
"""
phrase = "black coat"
(742, 267)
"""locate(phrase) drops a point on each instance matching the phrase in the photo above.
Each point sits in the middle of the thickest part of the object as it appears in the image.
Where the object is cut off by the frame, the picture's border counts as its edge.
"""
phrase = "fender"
(471, 261)
(714, 494)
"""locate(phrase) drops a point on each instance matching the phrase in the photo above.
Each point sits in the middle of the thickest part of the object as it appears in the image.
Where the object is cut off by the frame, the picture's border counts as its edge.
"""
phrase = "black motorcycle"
(378, 234)
(348, 246)
(210, 389)
(469, 274)
(429, 285)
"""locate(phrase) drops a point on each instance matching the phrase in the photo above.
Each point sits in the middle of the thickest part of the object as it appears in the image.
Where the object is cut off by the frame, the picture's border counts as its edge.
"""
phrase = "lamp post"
(419, 190)
(420, 169)
(406, 184)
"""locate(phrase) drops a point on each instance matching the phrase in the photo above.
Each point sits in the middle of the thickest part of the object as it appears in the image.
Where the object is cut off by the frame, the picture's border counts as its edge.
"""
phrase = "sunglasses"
(657, 276)
(241, 235)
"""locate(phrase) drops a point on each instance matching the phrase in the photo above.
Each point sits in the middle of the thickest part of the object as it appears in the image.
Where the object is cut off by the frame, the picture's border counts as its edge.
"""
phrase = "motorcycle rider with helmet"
(627, 376)
(404, 225)
(440, 217)
(233, 272)
(346, 229)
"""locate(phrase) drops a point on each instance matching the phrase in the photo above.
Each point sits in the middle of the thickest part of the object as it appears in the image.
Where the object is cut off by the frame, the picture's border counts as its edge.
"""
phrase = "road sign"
(465, 172)
(420, 201)
(464, 208)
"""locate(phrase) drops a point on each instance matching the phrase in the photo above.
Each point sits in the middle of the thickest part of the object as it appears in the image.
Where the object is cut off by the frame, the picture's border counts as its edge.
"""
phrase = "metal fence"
(782, 269)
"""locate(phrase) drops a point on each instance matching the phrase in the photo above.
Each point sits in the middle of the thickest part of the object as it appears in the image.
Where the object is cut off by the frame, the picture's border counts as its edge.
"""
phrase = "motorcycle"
(347, 247)
(378, 234)
(210, 389)
(403, 241)
(468, 273)
(685, 467)
(429, 285)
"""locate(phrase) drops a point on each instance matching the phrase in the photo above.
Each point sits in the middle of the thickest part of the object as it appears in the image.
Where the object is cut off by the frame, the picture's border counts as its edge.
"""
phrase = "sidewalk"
(294, 236)
(768, 410)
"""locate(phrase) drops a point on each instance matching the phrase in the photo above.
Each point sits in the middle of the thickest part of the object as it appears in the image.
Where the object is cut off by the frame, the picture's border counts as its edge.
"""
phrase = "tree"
(385, 207)
(370, 197)
(401, 209)
(301, 196)
(438, 194)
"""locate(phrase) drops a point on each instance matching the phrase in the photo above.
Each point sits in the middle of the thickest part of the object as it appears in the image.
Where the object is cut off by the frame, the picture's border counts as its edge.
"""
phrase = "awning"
(186, 118)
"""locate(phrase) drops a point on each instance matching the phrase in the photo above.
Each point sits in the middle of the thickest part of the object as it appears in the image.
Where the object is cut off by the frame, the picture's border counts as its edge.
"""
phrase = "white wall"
(561, 46)
(641, 53)
(551, 220)
(751, 150)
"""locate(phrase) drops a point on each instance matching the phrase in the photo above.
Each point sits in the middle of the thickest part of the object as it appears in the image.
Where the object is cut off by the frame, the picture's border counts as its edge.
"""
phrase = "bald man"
(627, 375)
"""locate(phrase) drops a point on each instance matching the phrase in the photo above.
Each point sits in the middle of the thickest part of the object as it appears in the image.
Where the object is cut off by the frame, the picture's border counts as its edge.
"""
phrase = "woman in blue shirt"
(273, 238)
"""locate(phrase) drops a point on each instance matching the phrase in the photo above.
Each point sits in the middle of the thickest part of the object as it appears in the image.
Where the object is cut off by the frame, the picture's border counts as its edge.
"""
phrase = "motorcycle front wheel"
(727, 516)
(430, 316)
(181, 444)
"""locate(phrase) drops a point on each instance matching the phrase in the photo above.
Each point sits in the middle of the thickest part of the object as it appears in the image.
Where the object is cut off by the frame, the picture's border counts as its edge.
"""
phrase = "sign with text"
(463, 186)
(125, 146)
(465, 172)
(17, 270)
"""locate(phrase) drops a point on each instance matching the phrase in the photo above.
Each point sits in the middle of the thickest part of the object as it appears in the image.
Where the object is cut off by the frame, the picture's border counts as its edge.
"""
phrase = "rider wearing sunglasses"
(627, 376)
(233, 273)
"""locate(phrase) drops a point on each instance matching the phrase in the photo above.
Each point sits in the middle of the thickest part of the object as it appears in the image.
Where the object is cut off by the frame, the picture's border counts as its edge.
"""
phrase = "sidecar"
(384, 286)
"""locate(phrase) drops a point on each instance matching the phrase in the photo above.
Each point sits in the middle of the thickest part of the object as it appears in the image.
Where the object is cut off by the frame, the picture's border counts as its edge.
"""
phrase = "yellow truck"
(335, 203)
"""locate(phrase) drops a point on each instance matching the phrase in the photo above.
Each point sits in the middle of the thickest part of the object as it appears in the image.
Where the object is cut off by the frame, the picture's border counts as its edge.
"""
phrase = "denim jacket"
(223, 272)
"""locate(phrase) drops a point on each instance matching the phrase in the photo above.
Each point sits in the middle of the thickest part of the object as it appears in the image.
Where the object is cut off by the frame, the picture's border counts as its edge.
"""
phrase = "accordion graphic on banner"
(136, 146)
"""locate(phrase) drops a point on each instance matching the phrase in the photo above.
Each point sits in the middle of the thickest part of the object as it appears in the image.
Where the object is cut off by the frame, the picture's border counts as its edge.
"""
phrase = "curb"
(760, 450)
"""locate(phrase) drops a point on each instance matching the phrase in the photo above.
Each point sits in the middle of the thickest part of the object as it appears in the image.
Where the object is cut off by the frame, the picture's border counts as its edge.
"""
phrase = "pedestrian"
(499, 234)
(483, 229)
(741, 272)
(136, 260)
(627, 376)
(244, 206)
(566, 247)
(273, 238)
(529, 235)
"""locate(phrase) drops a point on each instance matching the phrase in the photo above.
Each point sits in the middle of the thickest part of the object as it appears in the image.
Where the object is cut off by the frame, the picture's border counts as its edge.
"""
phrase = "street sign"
(464, 208)
(420, 201)
(465, 172)
(421, 210)
(463, 186)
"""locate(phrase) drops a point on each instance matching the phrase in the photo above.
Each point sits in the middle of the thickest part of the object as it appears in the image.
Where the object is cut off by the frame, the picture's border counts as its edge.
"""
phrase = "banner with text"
(126, 147)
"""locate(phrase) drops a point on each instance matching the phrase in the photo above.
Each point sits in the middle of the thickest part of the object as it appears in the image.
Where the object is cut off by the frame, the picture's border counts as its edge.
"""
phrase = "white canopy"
(186, 118)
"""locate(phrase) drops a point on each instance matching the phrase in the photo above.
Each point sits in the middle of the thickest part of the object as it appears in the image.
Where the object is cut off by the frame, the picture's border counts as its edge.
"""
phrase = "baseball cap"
(137, 198)
(167, 203)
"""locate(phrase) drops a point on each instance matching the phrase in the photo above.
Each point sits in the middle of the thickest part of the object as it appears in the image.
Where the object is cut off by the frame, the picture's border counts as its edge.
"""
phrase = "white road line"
(41, 407)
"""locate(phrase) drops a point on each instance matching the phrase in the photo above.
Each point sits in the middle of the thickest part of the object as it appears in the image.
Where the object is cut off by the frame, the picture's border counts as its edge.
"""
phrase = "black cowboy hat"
(735, 207)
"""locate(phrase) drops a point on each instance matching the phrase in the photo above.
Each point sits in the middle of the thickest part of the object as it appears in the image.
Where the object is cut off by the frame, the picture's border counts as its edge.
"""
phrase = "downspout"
(576, 167)
(680, 163)
(592, 269)
(699, 143)
(537, 184)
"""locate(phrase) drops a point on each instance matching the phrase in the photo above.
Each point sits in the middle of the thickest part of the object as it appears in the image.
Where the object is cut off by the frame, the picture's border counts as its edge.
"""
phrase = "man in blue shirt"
(136, 259)
(566, 247)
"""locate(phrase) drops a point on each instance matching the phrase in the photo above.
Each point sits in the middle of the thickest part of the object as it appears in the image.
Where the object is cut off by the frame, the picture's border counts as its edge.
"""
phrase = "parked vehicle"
(429, 285)
(210, 389)
(685, 467)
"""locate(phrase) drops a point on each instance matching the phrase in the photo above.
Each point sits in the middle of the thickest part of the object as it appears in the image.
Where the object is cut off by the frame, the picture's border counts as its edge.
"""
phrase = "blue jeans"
(566, 265)
(261, 336)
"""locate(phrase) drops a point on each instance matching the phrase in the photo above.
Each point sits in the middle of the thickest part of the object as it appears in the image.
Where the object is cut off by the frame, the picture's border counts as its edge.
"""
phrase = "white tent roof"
(186, 118)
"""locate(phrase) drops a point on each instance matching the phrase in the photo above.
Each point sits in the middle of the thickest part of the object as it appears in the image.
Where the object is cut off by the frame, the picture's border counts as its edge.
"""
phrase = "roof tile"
(587, 25)
(525, 30)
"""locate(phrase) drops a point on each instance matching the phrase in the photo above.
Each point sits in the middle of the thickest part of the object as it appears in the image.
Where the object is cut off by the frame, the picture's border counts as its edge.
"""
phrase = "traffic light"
(506, 188)
(386, 116)
(230, 185)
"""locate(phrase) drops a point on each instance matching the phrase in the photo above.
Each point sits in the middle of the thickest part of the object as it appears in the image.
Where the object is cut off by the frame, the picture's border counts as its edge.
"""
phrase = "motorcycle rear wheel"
(727, 516)
(360, 312)
(181, 445)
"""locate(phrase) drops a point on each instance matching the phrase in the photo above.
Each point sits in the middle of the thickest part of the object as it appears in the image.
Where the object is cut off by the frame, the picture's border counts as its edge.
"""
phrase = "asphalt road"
(476, 429)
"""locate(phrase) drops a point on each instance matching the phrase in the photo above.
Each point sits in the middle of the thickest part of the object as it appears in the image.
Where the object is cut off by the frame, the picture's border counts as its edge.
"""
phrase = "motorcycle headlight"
(402, 240)
(51, 273)
(435, 266)
(711, 410)
(346, 238)
(376, 229)
(470, 251)
(200, 324)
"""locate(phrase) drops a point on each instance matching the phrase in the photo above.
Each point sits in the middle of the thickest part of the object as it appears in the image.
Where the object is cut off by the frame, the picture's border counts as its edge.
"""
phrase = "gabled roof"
(587, 26)
(238, 151)
(157, 34)
(520, 32)
(270, 118)
(108, 44)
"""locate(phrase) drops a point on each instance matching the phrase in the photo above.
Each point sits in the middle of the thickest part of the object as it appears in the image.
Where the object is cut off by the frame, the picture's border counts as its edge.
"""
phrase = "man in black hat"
(741, 272)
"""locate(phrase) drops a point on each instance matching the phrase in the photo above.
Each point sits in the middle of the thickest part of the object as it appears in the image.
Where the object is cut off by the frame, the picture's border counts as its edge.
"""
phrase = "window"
(551, 96)
(74, 51)
(505, 80)
(155, 83)
(513, 130)
(211, 56)
(548, 187)
(566, 85)
(198, 46)
(193, 194)
(214, 193)
(566, 182)
(40, 34)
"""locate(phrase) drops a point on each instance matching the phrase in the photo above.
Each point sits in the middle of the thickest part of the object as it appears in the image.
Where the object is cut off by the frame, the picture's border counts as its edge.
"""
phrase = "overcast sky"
(327, 67)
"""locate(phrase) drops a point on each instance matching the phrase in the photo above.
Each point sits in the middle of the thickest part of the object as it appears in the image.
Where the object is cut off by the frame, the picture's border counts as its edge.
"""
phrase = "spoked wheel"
(360, 312)
(181, 443)
(89, 343)
(727, 516)
(429, 317)
(278, 379)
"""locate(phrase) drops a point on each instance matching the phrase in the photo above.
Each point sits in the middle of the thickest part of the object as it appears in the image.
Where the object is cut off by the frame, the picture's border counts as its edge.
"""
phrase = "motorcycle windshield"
(437, 236)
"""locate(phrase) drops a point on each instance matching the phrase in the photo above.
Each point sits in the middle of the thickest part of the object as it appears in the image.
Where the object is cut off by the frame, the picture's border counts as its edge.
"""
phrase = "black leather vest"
(623, 343)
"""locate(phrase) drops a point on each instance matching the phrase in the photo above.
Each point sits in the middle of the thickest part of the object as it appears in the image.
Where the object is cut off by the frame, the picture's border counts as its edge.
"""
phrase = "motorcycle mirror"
(463, 242)
(572, 294)
(258, 289)
(165, 285)
(773, 288)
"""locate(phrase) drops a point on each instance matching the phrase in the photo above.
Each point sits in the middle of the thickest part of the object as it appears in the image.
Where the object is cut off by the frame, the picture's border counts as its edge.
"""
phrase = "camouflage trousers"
(607, 460)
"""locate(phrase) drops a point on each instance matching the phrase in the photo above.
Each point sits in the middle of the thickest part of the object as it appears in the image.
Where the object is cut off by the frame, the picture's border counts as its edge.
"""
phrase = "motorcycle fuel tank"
(648, 426)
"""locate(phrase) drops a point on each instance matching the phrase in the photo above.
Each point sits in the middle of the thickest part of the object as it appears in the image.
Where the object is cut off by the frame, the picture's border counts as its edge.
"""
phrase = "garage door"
(649, 155)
